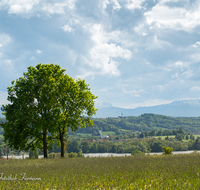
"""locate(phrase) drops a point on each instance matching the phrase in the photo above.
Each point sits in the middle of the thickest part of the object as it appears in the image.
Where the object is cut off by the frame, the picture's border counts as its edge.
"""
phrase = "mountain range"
(181, 108)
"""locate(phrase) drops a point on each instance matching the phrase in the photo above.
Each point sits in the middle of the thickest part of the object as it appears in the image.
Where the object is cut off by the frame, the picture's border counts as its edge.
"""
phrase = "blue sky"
(131, 52)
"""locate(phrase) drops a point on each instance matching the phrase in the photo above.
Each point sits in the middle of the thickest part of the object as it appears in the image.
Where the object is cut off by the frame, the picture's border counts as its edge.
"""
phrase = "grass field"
(195, 136)
(108, 133)
(131, 172)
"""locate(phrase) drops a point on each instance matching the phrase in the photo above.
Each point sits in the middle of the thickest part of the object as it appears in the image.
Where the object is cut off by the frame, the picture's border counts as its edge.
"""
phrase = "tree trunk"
(45, 144)
(62, 145)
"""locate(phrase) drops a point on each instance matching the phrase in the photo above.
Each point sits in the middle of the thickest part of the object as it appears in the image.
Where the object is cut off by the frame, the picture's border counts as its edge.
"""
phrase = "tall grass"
(132, 172)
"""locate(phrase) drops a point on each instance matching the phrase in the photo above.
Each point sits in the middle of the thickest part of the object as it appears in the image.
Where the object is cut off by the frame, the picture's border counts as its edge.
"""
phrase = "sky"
(132, 53)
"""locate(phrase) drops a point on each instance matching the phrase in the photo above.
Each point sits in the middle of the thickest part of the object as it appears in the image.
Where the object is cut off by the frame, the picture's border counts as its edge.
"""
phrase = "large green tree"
(44, 103)
(75, 105)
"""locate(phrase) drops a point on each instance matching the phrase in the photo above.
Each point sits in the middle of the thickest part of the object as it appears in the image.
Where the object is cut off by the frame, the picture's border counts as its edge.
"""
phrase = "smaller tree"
(167, 150)
(80, 154)
(114, 149)
(137, 153)
(179, 137)
(33, 154)
(192, 137)
(85, 146)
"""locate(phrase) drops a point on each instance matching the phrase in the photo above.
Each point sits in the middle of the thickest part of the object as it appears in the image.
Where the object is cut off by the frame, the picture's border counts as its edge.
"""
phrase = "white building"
(103, 137)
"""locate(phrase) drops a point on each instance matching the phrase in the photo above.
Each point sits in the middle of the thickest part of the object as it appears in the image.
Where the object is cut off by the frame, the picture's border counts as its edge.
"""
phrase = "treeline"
(145, 122)
(146, 146)
(163, 133)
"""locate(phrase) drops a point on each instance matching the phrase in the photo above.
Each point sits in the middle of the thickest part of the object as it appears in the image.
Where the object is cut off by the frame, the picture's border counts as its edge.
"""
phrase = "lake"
(110, 154)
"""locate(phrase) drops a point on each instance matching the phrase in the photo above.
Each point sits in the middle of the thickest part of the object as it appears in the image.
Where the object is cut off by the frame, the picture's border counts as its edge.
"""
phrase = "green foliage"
(196, 144)
(85, 146)
(167, 150)
(137, 153)
(33, 154)
(80, 154)
(54, 155)
(192, 137)
(179, 137)
(150, 124)
(45, 101)
(156, 146)
(72, 155)
(74, 146)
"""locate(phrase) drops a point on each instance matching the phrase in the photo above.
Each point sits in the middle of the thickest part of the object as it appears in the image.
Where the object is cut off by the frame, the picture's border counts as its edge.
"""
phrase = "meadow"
(131, 172)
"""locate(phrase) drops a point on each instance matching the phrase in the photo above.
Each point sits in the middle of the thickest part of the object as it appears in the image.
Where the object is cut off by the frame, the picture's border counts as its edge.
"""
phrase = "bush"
(72, 155)
(80, 154)
(167, 150)
(54, 155)
(137, 153)
(57, 155)
(33, 154)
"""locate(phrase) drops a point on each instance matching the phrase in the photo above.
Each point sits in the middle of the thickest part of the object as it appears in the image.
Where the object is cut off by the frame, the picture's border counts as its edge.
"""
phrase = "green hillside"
(145, 122)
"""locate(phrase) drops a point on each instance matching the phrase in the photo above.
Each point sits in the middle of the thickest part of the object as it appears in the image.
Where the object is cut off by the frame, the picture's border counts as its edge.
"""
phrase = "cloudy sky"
(131, 52)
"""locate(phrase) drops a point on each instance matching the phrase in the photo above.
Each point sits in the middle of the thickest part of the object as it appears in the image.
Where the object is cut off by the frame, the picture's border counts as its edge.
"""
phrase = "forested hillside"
(145, 122)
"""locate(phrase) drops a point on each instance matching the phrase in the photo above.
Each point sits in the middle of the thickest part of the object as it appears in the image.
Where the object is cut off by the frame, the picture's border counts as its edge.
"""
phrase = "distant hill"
(182, 108)
(1, 112)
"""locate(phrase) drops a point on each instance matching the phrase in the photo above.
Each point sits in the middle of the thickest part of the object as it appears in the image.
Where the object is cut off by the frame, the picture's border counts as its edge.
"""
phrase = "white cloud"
(32, 58)
(167, 69)
(104, 89)
(184, 75)
(154, 43)
(195, 88)
(136, 93)
(178, 63)
(61, 7)
(18, 7)
(102, 56)
(196, 45)
(71, 25)
(187, 73)
(67, 28)
(3, 97)
(147, 103)
(195, 57)
(135, 4)
(175, 18)
(115, 4)
(38, 51)
(4, 39)
(56, 8)
(38, 7)
(6, 64)
(175, 76)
